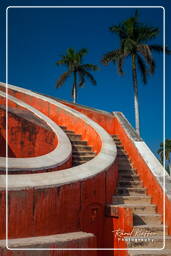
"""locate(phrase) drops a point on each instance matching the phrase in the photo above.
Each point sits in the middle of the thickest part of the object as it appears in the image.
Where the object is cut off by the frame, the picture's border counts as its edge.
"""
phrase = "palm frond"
(90, 67)
(70, 52)
(159, 48)
(88, 75)
(144, 33)
(142, 68)
(112, 56)
(129, 26)
(81, 78)
(146, 52)
(62, 79)
(119, 30)
(120, 63)
(61, 61)
(83, 52)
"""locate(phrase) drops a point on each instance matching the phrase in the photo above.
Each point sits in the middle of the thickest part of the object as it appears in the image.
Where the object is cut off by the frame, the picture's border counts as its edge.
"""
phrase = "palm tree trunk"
(74, 88)
(135, 86)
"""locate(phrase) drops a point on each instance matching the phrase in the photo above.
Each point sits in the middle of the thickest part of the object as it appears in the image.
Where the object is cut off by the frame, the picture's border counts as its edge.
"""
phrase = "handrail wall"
(153, 175)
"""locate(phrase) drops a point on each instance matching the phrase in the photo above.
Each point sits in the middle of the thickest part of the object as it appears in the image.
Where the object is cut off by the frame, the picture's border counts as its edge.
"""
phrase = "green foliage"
(134, 37)
(73, 61)
(165, 149)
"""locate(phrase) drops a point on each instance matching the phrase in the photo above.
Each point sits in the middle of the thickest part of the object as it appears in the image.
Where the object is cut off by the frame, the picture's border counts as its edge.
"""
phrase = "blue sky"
(37, 38)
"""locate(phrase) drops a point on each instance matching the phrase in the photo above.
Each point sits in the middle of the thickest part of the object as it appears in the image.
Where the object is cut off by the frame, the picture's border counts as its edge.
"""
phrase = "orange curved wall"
(103, 119)
(26, 139)
(68, 208)
(61, 117)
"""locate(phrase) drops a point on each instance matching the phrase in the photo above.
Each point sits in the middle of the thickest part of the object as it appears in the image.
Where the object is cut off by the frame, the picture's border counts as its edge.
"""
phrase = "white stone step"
(147, 218)
(137, 208)
(131, 199)
(74, 239)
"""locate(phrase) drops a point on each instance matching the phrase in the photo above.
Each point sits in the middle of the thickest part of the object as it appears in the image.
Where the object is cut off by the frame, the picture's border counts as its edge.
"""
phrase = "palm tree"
(73, 61)
(133, 37)
(167, 150)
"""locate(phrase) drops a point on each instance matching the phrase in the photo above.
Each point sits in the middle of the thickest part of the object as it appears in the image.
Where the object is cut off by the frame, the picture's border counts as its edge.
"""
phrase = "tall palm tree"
(167, 152)
(73, 61)
(133, 37)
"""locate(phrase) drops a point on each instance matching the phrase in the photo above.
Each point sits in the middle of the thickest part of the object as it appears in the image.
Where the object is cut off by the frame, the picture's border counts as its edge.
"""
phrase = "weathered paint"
(81, 205)
(103, 119)
(26, 139)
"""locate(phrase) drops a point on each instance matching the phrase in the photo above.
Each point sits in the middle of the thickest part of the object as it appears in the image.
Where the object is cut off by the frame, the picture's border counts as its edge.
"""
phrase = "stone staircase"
(81, 152)
(147, 223)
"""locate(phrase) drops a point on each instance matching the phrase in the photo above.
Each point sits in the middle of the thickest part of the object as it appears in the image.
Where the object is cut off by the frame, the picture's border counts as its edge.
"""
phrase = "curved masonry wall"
(57, 159)
(63, 201)
(28, 136)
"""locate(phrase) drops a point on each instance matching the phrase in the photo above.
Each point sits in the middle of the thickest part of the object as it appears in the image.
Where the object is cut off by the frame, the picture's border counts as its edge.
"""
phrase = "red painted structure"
(80, 205)
(28, 136)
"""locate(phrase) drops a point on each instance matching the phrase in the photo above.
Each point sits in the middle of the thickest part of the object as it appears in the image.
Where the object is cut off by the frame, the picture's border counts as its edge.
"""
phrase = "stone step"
(130, 183)
(74, 240)
(69, 132)
(78, 142)
(122, 166)
(146, 218)
(164, 252)
(128, 175)
(81, 148)
(83, 153)
(124, 160)
(136, 208)
(74, 137)
(130, 191)
(150, 242)
(84, 158)
(77, 162)
(130, 172)
(115, 136)
(119, 147)
(117, 142)
(131, 199)
(152, 229)
(122, 156)
(121, 153)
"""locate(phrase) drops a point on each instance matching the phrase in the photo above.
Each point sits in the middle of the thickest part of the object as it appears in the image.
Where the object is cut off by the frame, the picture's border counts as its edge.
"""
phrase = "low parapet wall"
(52, 244)
(103, 118)
(28, 136)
